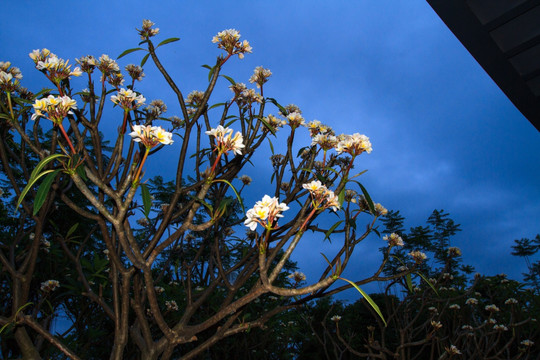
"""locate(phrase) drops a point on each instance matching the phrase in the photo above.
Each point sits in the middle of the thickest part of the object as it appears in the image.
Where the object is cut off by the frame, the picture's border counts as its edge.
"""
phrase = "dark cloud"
(444, 136)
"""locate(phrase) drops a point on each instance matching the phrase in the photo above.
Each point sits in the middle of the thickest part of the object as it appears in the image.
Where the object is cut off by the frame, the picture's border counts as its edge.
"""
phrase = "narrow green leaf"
(147, 199)
(80, 170)
(368, 198)
(211, 72)
(360, 173)
(206, 66)
(43, 190)
(235, 192)
(230, 79)
(167, 41)
(43, 91)
(331, 230)
(216, 105)
(230, 122)
(329, 263)
(369, 300)
(427, 282)
(128, 51)
(44, 162)
(16, 313)
(271, 146)
(267, 125)
(144, 41)
(29, 186)
(144, 59)
(281, 108)
(408, 279)
(72, 230)
(341, 197)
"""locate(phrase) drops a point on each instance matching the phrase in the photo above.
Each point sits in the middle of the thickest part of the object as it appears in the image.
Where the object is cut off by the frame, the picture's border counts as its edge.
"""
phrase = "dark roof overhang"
(504, 38)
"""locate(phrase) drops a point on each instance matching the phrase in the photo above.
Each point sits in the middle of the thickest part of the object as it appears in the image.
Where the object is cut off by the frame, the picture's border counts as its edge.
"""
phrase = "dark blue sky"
(444, 136)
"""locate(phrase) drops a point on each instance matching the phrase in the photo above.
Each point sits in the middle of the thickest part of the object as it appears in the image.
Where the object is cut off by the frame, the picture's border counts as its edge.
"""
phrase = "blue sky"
(444, 136)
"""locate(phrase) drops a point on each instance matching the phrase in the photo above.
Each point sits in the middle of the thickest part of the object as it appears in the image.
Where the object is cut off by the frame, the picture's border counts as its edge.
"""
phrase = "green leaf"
(368, 198)
(44, 162)
(128, 51)
(207, 66)
(268, 126)
(216, 105)
(427, 282)
(408, 279)
(80, 170)
(211, 72)
(331, 230)
(281, 108)
(144, 59)
(369, 300)
(230, 79)
(167, 41)
(72, 230)
(43, 190)
(341, 197)
(147, 199)
(271, 146)
(33, 179)
(43, 91)
(236, 192)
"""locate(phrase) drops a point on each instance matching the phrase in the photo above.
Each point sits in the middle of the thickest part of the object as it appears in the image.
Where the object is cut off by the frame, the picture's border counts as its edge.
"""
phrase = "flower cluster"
(249, 96)
(492, 308)
(128, 99)
(195, 98)
(297, 276)
(147, 31)
(229, 40)
(171, 305)
(394, 240)
(436, 324)
(471, 301)
(335, 318)
(107, 65)
(55, 108)
(135, 71)
(88, 63)
(156, 108)
(454, 251)
(260, 76)
(323, 198)
(418, 256)
(225, 140)
(315, 128)
(295, 119)
(527, 343)
(57, 68)
(49, 285)
(9, 76)
(510, 301)
(265, 212)
(452, 350)
(150, 136)
(353, 145)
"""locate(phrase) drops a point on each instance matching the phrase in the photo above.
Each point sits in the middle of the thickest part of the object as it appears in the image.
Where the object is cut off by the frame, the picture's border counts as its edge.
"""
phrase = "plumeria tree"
(147, 267)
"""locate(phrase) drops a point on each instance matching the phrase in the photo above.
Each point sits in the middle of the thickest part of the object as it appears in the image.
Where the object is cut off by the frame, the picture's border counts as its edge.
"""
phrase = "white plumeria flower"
(150, 136)
(225, 140)
(265, 212)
